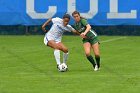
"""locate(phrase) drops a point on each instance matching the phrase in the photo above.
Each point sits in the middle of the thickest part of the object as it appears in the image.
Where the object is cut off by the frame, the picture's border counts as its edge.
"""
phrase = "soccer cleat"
(57, 66)
(96, 68)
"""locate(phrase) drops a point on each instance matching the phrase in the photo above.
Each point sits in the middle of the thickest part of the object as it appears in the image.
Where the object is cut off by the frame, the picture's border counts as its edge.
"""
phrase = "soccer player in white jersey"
(53, 36)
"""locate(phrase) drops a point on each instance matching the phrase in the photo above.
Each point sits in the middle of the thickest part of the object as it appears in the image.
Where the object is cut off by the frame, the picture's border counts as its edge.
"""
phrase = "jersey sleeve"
(84, 22)
(70, 28)
(56, 20)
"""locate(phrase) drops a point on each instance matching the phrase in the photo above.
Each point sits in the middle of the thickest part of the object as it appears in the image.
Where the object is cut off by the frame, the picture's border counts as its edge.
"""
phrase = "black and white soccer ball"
(62, 67)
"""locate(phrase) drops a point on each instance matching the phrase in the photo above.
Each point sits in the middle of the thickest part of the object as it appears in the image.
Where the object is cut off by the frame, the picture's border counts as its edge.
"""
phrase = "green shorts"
(91, 40)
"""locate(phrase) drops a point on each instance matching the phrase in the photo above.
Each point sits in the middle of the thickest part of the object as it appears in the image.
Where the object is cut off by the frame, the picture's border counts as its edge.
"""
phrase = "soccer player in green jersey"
(89, 39)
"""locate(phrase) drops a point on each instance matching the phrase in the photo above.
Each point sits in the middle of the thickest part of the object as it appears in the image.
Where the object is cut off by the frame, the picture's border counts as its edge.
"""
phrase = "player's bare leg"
(56, 48)
(59, 46)
(65, 52)
(96, 53)
(87, 47)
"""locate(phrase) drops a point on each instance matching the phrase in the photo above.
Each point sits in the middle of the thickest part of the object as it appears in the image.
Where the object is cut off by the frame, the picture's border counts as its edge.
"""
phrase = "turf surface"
(28, 66)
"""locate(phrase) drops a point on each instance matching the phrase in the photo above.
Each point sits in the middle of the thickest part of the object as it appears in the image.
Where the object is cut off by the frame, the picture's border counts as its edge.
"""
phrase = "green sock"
(90, 58)
(98, 61)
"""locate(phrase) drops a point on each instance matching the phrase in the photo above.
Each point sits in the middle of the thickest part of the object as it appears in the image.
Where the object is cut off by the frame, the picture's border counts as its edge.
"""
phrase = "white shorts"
(47, 38)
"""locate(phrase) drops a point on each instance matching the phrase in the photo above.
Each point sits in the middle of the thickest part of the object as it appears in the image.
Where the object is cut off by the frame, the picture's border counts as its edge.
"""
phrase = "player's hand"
(83, 35)
(44, 29)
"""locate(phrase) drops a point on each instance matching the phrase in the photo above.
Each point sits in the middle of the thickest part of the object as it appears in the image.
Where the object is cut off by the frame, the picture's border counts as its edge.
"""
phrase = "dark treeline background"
(101, 30)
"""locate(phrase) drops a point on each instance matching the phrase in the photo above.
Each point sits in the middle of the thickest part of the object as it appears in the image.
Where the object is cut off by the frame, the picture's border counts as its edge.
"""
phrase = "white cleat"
(96, 68)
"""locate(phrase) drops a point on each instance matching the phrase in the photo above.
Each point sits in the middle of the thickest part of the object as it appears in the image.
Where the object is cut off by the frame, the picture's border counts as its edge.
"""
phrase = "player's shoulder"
(83, 20)
(69, 25)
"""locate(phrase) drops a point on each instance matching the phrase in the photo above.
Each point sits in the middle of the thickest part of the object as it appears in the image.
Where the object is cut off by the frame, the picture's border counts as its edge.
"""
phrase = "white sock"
(57, 56)
(65, 57)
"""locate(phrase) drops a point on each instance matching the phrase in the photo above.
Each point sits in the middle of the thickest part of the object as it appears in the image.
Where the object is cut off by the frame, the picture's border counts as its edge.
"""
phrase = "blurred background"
(113, 17)
(122, 30)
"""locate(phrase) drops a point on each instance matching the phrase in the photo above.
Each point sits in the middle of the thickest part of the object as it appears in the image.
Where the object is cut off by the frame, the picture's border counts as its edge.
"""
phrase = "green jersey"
(81, 27)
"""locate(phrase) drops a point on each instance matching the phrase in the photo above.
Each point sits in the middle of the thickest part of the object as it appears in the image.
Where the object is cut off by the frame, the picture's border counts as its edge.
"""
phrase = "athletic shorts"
(91, 40)
(48, 37)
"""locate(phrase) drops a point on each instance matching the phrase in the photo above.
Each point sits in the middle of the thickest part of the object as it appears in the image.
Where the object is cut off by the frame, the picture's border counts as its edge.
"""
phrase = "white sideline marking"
(114, 39)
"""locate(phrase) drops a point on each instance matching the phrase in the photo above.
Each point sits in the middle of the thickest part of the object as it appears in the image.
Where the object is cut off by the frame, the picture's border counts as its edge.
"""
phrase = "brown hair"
(76, 12)
(66, 16)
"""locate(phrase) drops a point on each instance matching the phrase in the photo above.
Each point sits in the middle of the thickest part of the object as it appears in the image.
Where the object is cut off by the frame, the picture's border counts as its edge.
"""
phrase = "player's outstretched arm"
(76, 32)
(45, 24)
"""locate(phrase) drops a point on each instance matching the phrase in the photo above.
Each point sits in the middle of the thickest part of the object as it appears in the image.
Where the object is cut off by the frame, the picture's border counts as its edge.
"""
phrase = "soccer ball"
(62, 67)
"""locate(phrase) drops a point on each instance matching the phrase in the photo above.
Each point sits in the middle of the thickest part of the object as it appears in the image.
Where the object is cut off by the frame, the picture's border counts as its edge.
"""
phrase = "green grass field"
(28, 66)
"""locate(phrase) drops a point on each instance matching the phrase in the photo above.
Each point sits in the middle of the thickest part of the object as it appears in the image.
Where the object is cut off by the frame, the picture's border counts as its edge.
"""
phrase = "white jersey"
(57, 30)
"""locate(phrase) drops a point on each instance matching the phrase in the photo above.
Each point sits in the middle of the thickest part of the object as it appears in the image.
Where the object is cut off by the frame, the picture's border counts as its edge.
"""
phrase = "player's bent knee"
(65, 50)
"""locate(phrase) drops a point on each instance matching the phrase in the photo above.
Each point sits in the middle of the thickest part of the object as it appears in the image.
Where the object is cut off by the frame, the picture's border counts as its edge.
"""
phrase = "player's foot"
(98, 64)
(96, 68)
(58, 66)
(66, 66)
